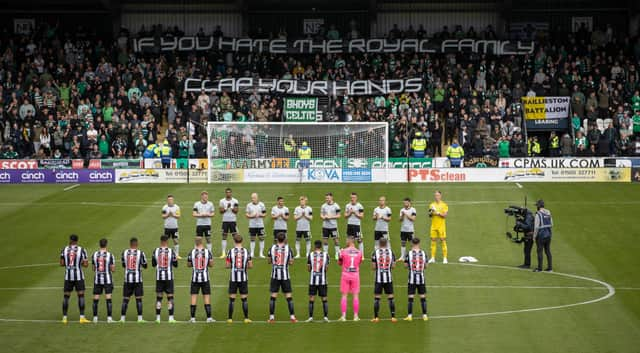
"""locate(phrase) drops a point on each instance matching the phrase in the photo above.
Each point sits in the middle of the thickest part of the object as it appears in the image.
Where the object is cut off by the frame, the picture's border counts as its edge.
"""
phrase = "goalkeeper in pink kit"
(350, 259)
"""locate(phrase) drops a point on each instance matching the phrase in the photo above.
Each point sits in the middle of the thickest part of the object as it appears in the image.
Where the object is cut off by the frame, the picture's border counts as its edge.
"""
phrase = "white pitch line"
(519, 186)
(28, 265)
(71, 187)
(610, 292)
(455, 286)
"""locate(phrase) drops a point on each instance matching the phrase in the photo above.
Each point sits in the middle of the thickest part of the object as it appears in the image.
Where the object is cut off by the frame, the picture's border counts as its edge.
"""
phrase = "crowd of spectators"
(71, 95)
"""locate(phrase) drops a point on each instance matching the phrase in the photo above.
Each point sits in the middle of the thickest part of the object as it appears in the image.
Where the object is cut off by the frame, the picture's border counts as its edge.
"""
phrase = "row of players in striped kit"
(238, 260)
(256, 212)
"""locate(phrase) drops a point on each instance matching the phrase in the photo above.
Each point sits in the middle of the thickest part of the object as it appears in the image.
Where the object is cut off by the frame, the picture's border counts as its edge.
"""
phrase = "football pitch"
(591, 303)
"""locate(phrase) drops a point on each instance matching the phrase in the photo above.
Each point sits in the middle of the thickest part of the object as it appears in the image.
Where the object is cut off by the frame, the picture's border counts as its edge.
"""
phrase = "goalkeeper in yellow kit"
(438, 211)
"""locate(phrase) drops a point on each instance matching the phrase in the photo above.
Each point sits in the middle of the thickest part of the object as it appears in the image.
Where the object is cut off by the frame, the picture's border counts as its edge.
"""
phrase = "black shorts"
(102, 288)
(329, 233)
(171, 233)
(422, 289)
(69, 286)
(238, 287)
(354, 231)
(203, 231)
(256, 232)
(229, 227)
(303, 234)
(319, 290)
(276, 231)
(130, 289)
(387, 288)
(406, 236)
(164, 286)
(377, 235)
(277, 284)
(204, 287)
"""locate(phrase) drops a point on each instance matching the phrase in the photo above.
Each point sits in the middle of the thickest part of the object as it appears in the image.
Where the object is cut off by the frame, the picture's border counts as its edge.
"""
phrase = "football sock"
(65, 305)
(343, 306)
(158, 305)
(95, 307)
(193, 311)
(109, 307)
(224, 246)
(433, 249)
(290, 304)
(361, 247)
(402, 249)
(310, 308)
(356, 306)
(81, 304)
(297, 246)
(308, 246)
(261, 246)
(252, 246)
(325, 308)
(207, 309)
(376, 307)
(325, 248)
(337, 248)
(231, 301)
(170, 306)
(272, 306)
(410, 306)
(423, 303)
(139, 306)
(392, 307)
(444, 248)
(245, 307)
(176, 248)
(125, 304)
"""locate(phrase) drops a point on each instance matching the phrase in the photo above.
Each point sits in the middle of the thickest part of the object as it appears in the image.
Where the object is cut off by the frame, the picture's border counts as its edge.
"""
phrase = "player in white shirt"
(382, 216)
(255, 212)
(354, 212)
(203, 211)
(329, 213)
(171, 214)
(407, 218)
(303, 215)
(228, 207)
(280, 216)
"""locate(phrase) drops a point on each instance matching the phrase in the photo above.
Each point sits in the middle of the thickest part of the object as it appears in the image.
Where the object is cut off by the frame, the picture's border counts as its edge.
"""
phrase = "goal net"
(297, 152)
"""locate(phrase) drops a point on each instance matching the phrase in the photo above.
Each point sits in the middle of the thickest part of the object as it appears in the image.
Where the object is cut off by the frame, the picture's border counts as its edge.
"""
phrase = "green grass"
(595, 236)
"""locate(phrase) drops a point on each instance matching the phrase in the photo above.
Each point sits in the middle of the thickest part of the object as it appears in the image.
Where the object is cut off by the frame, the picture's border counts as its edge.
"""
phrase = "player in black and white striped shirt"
(317, 262)
(133, 261)
(280, 257)
(103, 265)
(164, 259)
(383, 262)
(73, 258)
(239, 261)
(200, 259)
(416, 262)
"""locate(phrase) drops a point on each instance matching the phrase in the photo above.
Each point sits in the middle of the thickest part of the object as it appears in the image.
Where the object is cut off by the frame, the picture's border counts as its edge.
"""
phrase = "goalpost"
(339, 151)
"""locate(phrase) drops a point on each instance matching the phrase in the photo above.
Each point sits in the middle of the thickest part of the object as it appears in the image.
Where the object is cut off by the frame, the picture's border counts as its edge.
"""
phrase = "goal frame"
(284, 123)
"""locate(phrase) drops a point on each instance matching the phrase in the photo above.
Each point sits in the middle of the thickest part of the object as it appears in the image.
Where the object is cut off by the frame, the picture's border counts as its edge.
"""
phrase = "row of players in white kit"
(255, 211)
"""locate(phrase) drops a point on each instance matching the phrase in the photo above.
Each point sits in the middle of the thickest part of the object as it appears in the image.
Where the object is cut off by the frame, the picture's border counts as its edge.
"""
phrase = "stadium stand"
(72, 94)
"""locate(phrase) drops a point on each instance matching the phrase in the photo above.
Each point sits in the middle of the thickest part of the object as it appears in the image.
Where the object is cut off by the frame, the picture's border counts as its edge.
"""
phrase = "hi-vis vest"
(419, 144)
(288, 146)
(455, 152)
(555, 142)
(165, 151)
(544, 225)
(304, 153)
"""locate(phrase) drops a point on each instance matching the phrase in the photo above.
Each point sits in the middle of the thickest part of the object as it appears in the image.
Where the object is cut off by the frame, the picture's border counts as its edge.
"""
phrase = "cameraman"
(542, 234)
(526, 226)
